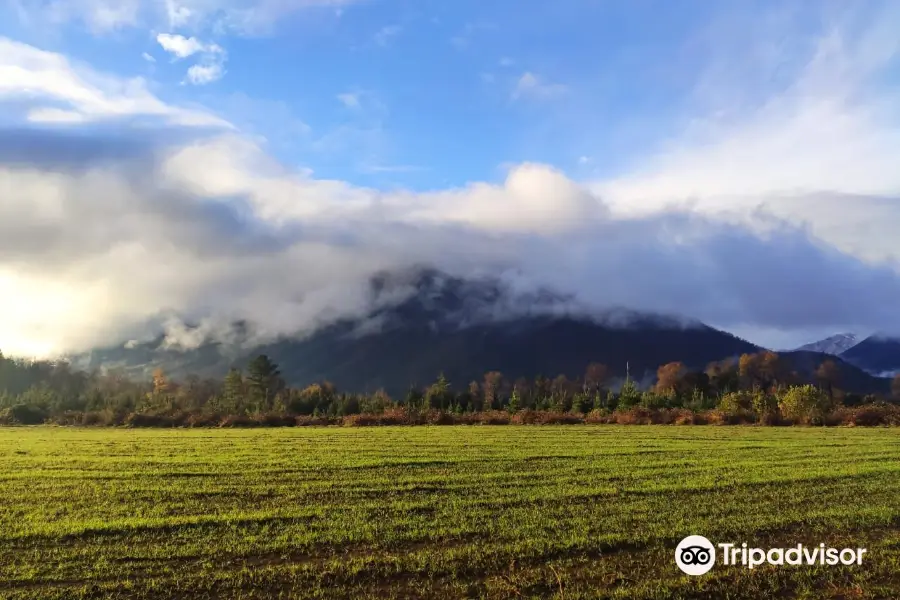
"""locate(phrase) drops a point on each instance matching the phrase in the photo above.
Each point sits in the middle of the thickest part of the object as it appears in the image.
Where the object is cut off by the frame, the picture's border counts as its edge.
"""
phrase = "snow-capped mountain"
(834, 345)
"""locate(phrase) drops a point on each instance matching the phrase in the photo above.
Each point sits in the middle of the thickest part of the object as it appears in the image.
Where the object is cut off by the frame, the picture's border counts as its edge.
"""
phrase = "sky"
(164, 161)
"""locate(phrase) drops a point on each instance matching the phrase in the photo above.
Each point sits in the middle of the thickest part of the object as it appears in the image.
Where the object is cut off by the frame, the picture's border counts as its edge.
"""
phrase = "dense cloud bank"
(95, 245)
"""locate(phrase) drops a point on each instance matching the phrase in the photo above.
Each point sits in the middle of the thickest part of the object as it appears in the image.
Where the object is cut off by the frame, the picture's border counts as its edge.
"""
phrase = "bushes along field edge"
(868, 415)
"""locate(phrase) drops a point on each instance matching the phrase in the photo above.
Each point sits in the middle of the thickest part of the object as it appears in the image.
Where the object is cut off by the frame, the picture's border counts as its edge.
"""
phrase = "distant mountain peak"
(426, 294)
(423, 322)
(834, 345)
(878, 354)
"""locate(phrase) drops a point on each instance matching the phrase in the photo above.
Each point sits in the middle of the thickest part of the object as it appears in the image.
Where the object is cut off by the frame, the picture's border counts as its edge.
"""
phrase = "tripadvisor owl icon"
(695, 555)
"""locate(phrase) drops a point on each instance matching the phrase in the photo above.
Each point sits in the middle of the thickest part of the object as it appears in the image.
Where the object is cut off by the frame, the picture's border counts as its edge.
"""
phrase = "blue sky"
(434, 93)
(641, 154)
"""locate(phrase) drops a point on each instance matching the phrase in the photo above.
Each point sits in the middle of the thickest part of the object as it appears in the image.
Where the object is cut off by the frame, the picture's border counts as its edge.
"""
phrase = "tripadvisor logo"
(696, 555)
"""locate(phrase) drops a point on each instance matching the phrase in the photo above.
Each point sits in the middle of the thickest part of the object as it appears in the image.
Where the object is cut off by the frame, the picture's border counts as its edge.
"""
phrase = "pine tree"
(629, 395)
(514, 401)
(263, 378)
(438, 395)
(233, 392)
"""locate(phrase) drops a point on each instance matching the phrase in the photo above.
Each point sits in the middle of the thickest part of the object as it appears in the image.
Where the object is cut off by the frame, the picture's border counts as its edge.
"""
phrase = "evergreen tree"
(264, 381)
(514, 401)
(629, 395)
(438, 395)
(233, 392)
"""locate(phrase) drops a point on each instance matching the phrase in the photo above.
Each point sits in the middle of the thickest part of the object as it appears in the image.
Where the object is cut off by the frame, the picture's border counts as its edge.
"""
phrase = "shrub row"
(868, 415)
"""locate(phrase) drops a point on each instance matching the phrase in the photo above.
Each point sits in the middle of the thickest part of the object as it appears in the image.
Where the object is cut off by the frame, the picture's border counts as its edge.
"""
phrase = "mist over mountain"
(424, 322)
(878, 354)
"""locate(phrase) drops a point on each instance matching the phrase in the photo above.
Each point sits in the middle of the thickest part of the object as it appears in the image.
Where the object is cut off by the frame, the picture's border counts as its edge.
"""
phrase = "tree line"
(752, 388)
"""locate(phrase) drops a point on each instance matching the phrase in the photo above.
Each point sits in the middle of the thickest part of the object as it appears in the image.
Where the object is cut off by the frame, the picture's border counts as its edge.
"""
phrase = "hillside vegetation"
(757, 388)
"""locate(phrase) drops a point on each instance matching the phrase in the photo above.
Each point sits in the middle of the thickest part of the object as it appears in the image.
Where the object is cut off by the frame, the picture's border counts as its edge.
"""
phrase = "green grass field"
(440, 512)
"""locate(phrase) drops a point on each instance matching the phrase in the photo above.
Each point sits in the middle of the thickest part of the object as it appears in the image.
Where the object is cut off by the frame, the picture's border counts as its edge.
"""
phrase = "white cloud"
(182, 47)
(212, 62)
(203, 74)
(146, 56)
(45, 79)
(531, 86)
(56, 115)
(216, 225)
(534, 199)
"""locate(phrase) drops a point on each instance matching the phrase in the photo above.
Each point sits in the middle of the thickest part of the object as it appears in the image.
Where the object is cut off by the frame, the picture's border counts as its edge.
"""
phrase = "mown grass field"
(440, 512)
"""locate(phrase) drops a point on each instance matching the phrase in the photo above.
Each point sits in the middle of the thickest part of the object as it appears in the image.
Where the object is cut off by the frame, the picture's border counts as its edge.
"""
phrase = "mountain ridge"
(434, 323)
(878, 354)
(834, 345)
(463, 329)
